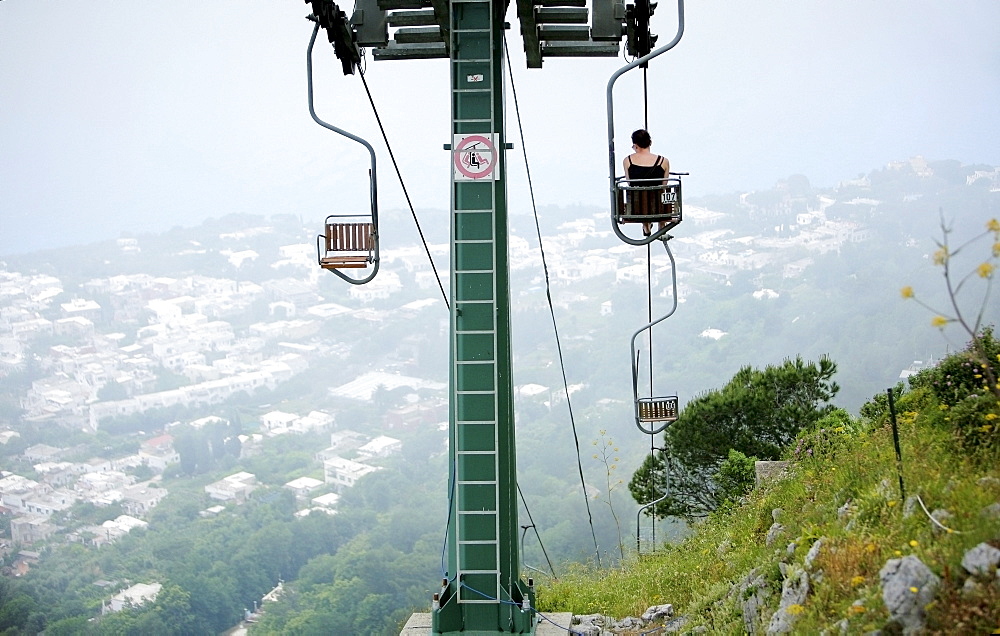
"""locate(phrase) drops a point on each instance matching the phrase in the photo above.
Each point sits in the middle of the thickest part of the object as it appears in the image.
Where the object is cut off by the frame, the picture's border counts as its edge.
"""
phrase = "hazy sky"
(141, 116)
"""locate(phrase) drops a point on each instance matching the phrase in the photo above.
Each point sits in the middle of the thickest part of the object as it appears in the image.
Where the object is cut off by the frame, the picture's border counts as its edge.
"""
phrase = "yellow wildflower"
(795, 609)
(906, 292)
(991, 416)
(939, 321)
(870, 548)
(993, 225)
(914, 543)
(914, 590)
(985, 270)
(996, 249)
(857, 580)
(940, 256)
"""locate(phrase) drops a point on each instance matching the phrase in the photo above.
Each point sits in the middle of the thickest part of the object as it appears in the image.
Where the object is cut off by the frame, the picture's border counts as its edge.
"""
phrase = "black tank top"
(654, 171)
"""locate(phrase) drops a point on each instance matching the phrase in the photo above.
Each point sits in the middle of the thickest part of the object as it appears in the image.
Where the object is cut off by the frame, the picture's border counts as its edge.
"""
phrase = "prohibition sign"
(475, 158)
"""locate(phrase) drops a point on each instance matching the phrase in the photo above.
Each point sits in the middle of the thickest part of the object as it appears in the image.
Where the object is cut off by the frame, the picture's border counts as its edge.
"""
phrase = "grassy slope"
(856, 466)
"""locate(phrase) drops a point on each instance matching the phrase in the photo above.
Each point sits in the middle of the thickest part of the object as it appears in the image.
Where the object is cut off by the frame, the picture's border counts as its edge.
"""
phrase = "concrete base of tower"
(555, 624)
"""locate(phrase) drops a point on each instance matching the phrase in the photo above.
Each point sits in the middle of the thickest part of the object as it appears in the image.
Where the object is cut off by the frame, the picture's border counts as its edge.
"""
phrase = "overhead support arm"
(529, 32)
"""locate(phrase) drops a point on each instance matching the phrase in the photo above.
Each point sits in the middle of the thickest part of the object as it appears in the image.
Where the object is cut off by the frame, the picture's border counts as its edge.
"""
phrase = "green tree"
(735, 477)
(758, 413)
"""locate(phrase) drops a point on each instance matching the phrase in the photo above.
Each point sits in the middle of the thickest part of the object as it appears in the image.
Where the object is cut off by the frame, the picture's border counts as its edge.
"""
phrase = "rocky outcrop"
(600, 625)
(908, 586)
(982, 561)
(794, 591)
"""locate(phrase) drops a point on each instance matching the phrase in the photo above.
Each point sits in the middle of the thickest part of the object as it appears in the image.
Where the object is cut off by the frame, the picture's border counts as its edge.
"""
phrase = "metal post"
(895, 441)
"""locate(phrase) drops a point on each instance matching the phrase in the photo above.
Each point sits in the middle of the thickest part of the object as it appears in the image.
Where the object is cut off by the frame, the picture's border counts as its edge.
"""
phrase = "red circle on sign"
(489, 148)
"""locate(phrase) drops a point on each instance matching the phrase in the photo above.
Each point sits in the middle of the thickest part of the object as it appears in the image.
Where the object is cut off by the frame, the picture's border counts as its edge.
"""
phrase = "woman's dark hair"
(642, 139)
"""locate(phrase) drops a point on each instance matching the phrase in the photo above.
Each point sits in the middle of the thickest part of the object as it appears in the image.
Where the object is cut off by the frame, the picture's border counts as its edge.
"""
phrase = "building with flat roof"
(136, 596)
(344, 473)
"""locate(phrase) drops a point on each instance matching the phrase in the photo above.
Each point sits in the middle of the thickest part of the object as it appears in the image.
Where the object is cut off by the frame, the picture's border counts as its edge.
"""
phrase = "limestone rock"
(988, 482)
(909, 506)
(907, 587)
(981, 560)
(754, 591)
(775, 531)
(886, 489)
(790, 550)
(794, 591)
(813, 553)
(629, 623)
(588, 624)
(658, 613)
(776, 514)
(991, 511)
(971, 587)
(675, 625)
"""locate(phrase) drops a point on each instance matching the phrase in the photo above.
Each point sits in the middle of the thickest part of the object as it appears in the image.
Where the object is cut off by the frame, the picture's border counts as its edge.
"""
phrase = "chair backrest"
(640, 200)
(350, 237)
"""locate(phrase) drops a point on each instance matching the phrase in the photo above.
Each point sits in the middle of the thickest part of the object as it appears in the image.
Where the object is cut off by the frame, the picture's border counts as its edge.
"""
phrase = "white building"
(236, 487)
(303, 486)
(381, 446)
(344, 473)
(136, 595)
(277, 421)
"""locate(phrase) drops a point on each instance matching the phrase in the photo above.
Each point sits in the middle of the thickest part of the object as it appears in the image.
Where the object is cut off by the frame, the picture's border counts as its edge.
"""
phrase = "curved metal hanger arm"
(634, 356)
(373, 190)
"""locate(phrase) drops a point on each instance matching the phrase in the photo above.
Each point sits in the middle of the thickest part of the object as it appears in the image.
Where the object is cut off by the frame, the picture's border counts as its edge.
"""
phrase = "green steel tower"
(483, 593)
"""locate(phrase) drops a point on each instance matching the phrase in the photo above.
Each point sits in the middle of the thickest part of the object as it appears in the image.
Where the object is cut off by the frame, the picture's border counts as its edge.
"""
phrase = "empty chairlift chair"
(347, 242)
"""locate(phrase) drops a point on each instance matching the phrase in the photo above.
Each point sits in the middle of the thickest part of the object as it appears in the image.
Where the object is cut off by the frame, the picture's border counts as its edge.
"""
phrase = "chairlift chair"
(347, 242)
(649, 201)
(656, 410)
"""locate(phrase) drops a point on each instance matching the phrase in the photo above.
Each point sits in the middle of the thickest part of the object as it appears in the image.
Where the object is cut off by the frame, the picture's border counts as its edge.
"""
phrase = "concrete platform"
(420, 625)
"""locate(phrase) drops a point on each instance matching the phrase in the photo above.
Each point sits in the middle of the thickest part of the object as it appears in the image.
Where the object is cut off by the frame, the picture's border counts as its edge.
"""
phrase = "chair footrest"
(336, 262)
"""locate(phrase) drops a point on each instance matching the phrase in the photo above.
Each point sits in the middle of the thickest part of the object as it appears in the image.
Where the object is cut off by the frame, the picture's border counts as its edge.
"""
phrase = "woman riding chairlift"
(645, 170)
